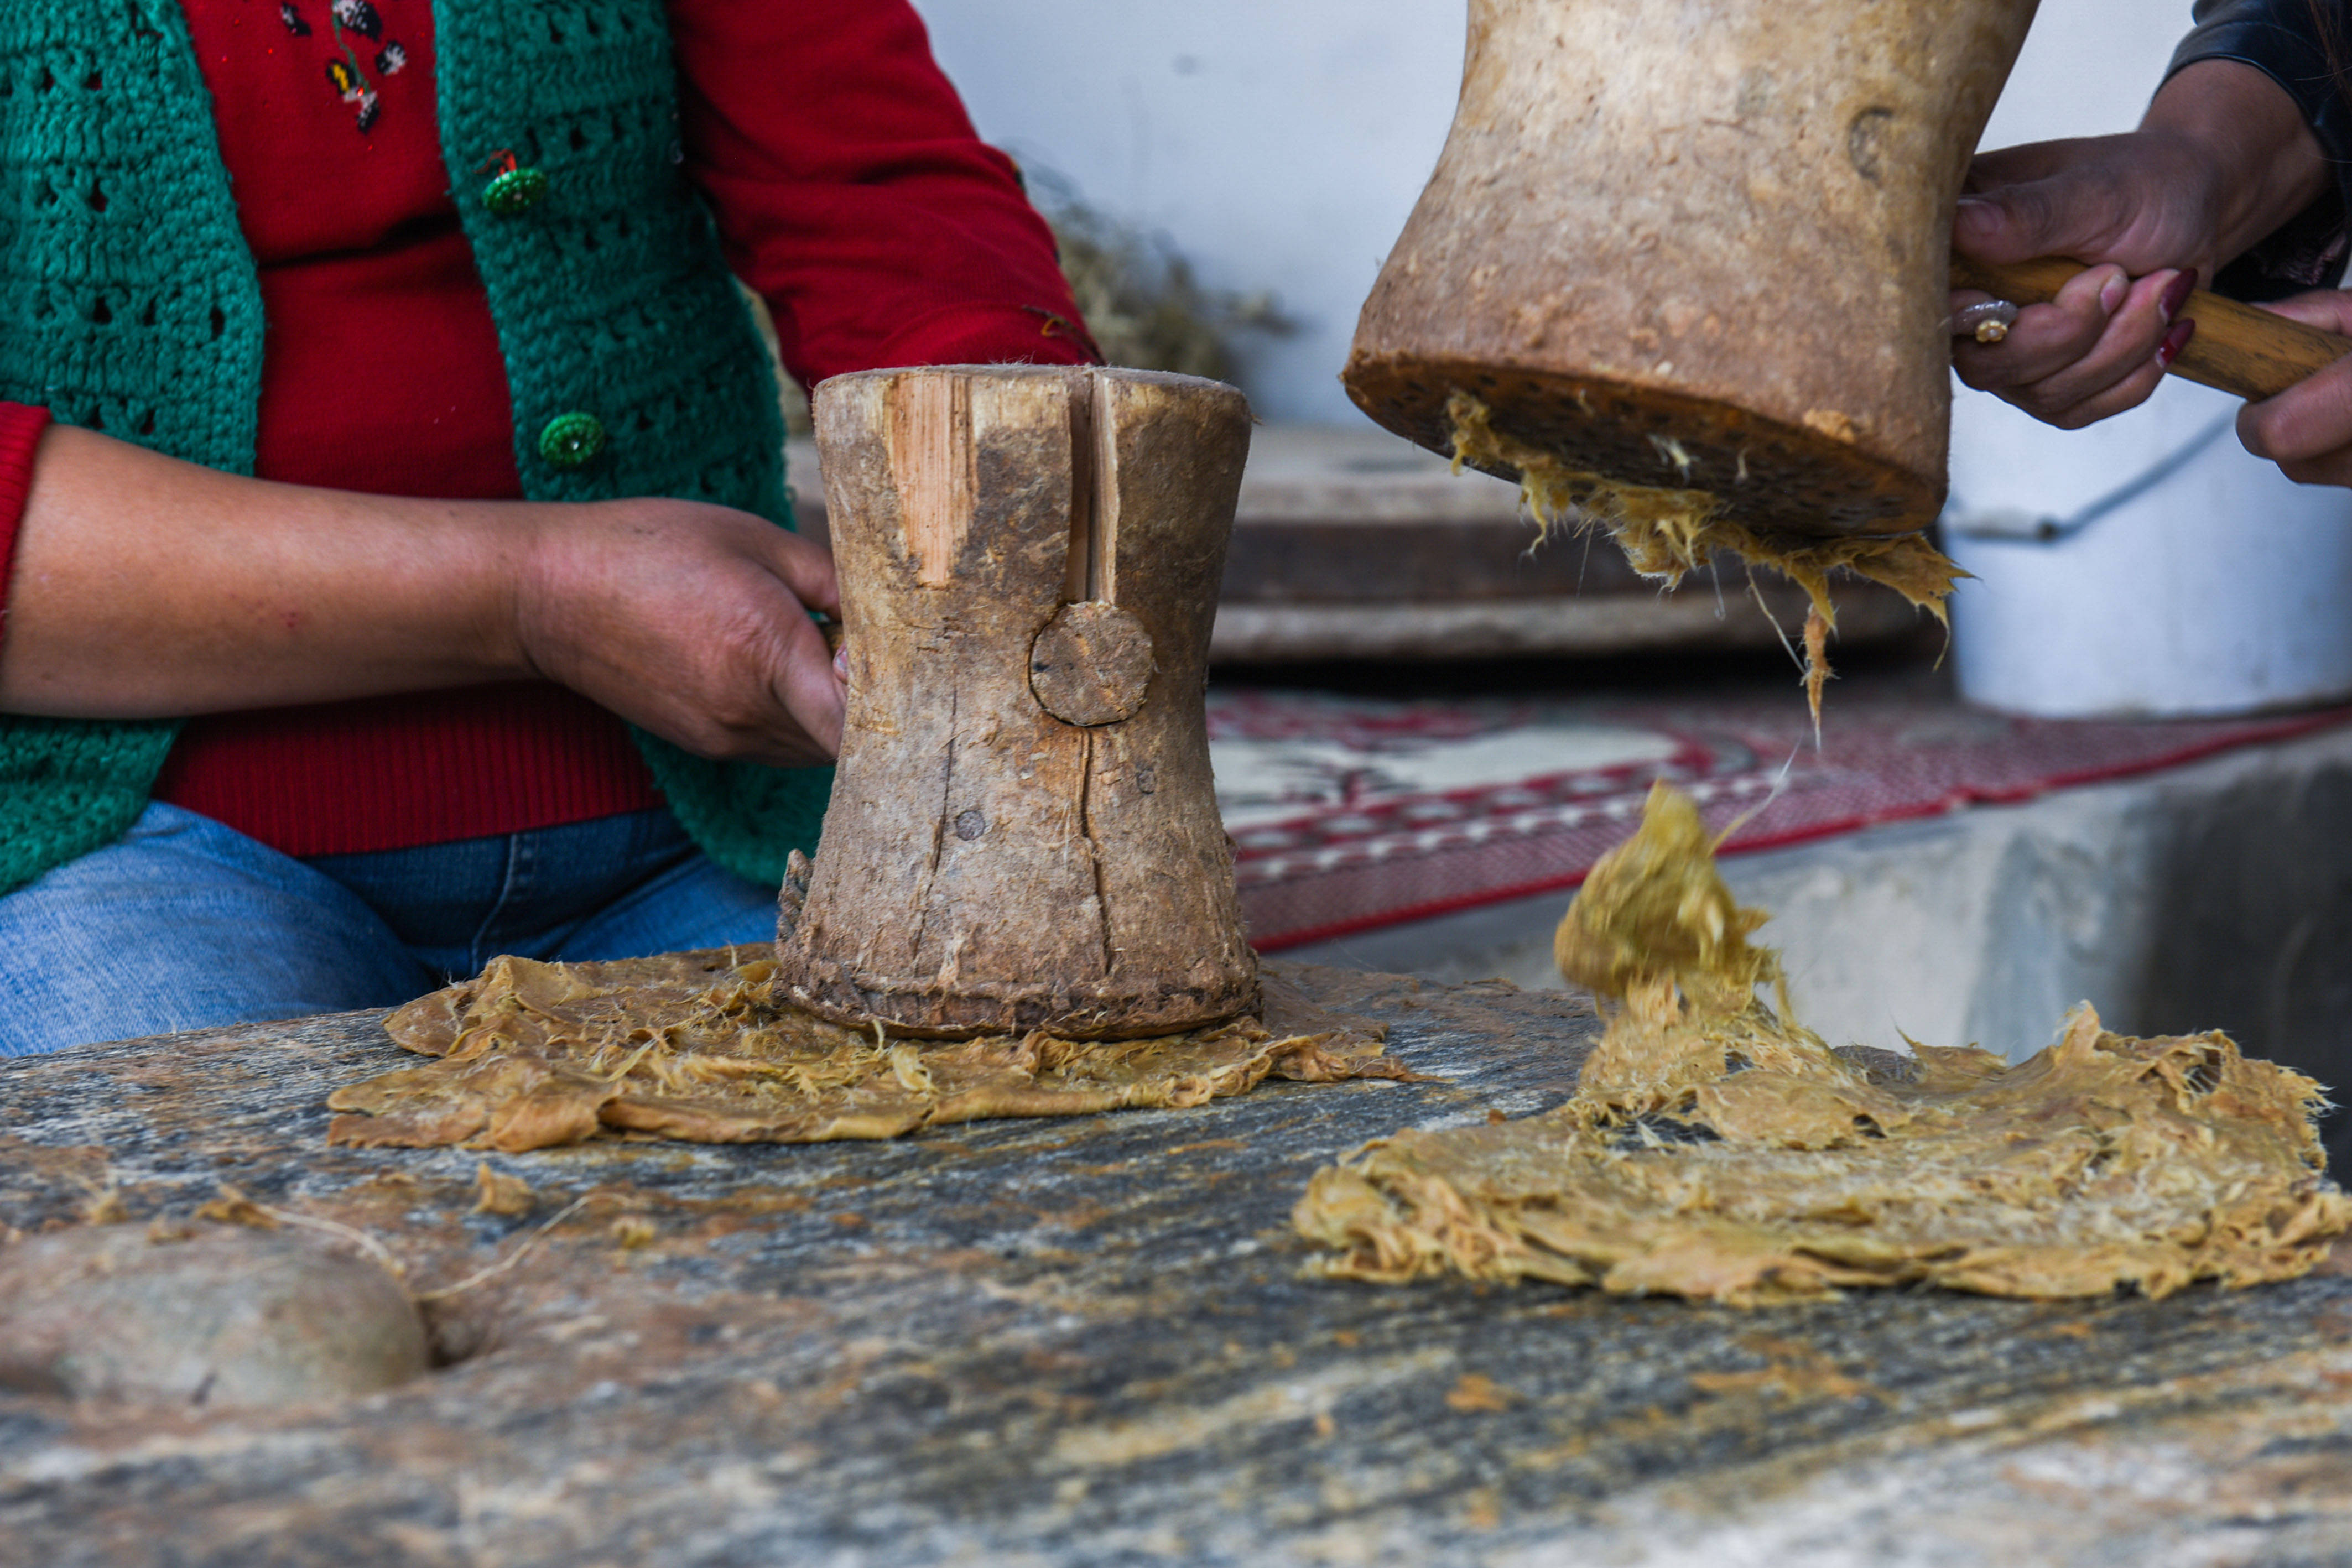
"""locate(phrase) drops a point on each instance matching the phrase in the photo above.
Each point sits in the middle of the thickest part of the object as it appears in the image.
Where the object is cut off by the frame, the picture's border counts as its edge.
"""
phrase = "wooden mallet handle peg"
(2252, 353)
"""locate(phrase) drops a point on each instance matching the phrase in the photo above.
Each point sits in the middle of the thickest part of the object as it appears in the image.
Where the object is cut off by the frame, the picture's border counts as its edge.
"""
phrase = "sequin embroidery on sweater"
(361, 56)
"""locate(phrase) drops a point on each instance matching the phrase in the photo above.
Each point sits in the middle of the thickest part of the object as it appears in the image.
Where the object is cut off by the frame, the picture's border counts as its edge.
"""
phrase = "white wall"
(1279, 142)
(2088, 67)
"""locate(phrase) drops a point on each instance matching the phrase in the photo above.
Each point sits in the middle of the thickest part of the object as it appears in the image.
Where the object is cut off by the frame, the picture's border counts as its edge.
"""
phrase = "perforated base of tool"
(1762, 472)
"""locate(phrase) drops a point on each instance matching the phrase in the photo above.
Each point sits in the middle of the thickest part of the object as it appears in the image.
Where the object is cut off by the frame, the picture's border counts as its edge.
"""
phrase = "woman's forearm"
(148, 588)
(2249, 137)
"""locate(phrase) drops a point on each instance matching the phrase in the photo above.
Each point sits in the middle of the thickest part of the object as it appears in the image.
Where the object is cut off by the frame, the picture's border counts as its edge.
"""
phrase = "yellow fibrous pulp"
(1717, 1149)
(1668, 533)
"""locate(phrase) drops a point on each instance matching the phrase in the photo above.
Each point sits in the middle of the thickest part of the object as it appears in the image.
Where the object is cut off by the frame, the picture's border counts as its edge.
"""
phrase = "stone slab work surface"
(1089, 1342)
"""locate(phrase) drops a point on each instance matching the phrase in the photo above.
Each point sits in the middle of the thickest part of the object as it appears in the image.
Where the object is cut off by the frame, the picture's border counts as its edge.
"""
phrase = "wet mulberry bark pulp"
(1681, 272)
(1023, 902)
(699, 1048)
(1717, 1149)
(1668, 533)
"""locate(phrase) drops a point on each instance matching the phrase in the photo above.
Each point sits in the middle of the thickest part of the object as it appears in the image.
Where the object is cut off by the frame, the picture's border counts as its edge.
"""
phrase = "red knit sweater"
(851, 191)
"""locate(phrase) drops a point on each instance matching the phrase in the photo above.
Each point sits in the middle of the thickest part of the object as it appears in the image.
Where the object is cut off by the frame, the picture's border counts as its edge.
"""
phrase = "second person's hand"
(2306, 430)
(2220, 161)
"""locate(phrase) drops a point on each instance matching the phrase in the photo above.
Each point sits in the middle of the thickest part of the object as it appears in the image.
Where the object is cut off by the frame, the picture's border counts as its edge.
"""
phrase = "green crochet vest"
(129, 304)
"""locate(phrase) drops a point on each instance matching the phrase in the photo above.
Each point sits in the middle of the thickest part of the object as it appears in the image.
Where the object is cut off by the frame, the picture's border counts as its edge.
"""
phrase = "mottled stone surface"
(1087, 1343)
(208, 1316)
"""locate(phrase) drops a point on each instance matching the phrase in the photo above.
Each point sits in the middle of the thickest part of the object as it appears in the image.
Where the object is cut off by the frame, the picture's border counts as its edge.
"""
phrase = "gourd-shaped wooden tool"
(1022, 832)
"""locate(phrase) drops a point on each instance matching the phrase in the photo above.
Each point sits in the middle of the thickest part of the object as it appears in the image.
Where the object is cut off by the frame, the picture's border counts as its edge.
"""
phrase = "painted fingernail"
(2176, 294)
(2174, 341)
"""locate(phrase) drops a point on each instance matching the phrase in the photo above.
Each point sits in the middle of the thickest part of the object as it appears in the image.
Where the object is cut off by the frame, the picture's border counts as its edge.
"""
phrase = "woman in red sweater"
(408, 684)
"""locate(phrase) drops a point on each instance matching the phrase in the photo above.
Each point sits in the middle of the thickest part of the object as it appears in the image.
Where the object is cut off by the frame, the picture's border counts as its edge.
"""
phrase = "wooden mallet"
(1705, 246)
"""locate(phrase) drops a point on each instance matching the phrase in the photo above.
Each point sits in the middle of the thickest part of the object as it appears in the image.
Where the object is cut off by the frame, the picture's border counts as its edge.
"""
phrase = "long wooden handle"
(2236, 348)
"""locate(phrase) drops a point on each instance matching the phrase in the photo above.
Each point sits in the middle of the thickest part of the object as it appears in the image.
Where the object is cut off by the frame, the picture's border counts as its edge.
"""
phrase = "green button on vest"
(572, 440)
(515, 192)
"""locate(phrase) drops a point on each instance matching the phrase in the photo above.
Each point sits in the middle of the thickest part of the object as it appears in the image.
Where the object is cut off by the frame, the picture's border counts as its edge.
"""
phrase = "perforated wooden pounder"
(1699, 247)
(1022, 832)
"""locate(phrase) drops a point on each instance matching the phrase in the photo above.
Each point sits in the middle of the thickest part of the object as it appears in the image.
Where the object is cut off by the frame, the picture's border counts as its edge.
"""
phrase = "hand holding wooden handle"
(2252, 353)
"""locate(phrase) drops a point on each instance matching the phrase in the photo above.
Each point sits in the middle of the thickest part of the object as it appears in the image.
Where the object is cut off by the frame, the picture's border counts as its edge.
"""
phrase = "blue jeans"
(185, 924)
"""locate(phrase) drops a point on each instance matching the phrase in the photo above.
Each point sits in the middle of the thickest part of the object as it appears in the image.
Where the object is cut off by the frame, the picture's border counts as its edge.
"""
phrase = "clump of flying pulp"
(1667, 533)
(1716, 1149)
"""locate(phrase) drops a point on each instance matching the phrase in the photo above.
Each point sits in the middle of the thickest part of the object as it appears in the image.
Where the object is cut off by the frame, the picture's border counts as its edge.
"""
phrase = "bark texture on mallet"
(1022, 832)
(1699, 247)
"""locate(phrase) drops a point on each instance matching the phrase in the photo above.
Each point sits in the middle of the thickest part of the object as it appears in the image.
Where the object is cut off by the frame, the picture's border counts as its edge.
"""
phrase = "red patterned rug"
(1348, 814)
